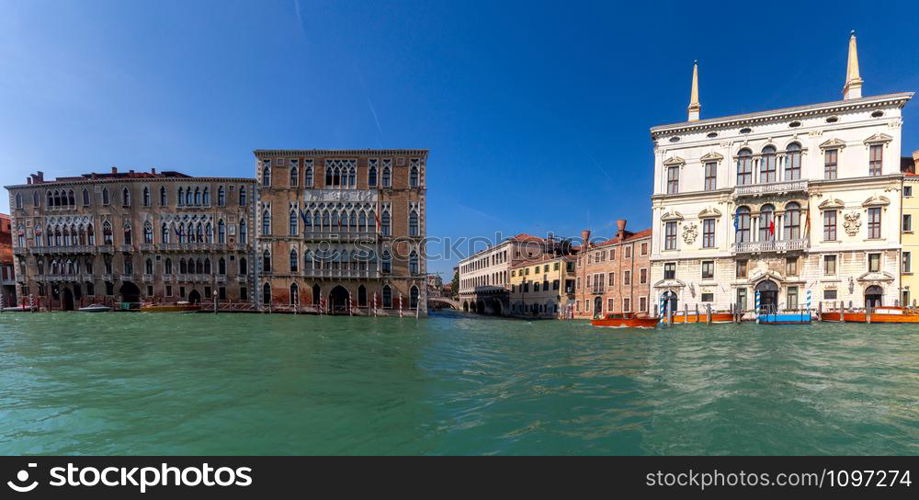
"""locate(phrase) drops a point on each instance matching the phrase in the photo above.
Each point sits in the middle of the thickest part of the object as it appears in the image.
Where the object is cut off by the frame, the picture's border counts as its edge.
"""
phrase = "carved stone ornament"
(690, 233)
(853, 223)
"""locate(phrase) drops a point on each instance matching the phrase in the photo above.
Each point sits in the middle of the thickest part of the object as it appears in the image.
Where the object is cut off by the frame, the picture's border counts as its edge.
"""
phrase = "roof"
(542, 260)
(785, 113)
(38, 178)
(526, 237)
(341, 152)
(644, 233)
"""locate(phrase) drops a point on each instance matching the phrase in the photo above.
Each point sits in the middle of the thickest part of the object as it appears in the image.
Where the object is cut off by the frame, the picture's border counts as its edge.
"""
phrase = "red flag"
(772, 227)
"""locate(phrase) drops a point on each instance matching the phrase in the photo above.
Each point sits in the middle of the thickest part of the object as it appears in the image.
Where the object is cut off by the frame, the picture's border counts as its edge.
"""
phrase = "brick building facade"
(614, 276)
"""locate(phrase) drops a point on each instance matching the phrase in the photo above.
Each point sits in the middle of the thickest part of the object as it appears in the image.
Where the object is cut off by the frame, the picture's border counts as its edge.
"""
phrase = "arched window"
(221, 196)
(183, 267)
(199, 266)
(207, 266)
(266, 174)
(413, 263)
(18, 201)
(105, 196)
(180, 199)
(127, 234)
(36, 199)
(167, 266)
(164, 198)
(243, 266)
(413, 223)
(326, 221)
(266, 294)
(413, 176)
(387, 177)
(50, 199)
(266, 261)
(148, 232)
(413, 297)
(243, 232)
(293, 223)
(385, 223)
(197, 199)
(362, 221)
(242, 196)
(372, 176)
(90, 235)
(308, 175)
(387, 297)
(294, 260)
(317, 295)
(189, 197)
(85, 197)
(352, 176)
(164, 233)
(125, 197)
(743, 224)
(208, 233)
(767, 171)
(266, 222)
(294, 176)
(308, 260)
(294, 294)
(767, 223)
(148, 266)
(222, 266)
(793, 162)
(744, 167)
(221, 232)
(386, 262)
(792, 221)
(206, 197)
(146, 196)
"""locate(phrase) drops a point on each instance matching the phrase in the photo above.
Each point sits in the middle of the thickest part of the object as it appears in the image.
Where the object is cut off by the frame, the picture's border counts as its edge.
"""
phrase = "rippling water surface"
(153, 384)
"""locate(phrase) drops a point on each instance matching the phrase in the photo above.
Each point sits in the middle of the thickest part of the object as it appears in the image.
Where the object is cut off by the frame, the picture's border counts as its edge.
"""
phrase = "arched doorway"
(266, 295)
(598, 307)
(362, 296)
(874, 296)
(465, 306)
(317, 295)
(768, 296)
(496, 307)
(129, 292)
(66, 299)
(670, 302)
(338, 300)
(479, 307)
(194, 297)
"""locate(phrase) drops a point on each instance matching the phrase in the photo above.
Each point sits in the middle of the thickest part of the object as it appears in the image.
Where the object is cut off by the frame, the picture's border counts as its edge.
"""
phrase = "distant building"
(484, 277)
(543, 287)
(132, 237)
(786, 203)
(7, 274)
(909, 280)
(614, 276)
(342, 230)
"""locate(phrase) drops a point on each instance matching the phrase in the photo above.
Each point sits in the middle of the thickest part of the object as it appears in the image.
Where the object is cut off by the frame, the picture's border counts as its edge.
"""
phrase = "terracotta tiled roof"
(526, 237)
(628, 237)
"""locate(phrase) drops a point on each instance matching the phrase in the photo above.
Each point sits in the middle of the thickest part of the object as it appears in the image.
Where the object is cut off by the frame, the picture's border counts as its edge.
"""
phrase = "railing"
(343, 235)
(341, 273)
(597, 290)
(146, 247)
(20, 251)
(125, 248)
(63, 249)
(770, 246)
(106, 248)
(147, 278)
(771, 188)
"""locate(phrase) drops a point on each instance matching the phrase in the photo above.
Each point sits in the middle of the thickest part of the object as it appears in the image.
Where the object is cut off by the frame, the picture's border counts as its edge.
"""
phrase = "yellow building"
(909, 276)
(543, 288)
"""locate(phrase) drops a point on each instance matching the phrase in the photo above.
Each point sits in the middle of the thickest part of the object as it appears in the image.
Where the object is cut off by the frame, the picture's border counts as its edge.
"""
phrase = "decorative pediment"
(713, 156)
(833, 144)
(709, 212)
(671, 215)
(673, 161)
(759, 275)
(672, 283)
(881, 277)
(876, 201)
(878, 138)
(831, 204)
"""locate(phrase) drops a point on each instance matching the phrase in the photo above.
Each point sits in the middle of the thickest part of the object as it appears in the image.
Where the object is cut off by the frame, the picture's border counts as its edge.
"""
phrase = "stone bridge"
(444, 302)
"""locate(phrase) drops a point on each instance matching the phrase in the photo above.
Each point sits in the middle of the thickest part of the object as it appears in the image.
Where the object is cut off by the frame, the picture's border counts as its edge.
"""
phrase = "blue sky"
(536, 113)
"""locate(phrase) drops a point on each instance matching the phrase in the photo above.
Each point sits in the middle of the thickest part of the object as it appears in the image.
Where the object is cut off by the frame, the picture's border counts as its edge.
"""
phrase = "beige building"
(155, 237)
(543, 288)
(342, 231)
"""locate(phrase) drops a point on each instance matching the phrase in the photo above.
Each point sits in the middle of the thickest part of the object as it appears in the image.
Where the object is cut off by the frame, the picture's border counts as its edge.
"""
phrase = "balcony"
(106, 248)
(75, 249)
(340, 235)
(597, 290)
(341, 273)
(771, 246)
(147, 278)
(796, 186)
(125, 248)
(146, 247)
(20, 251)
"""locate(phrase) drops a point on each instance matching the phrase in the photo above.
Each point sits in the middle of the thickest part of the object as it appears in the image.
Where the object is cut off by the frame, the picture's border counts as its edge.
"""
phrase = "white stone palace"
(784, 202)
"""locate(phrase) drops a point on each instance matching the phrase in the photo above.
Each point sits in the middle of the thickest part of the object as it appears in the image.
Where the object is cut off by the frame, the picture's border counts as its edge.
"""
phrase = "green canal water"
(153, 384)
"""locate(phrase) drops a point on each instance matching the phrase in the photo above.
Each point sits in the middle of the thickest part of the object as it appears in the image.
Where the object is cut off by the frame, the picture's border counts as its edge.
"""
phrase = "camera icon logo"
(22, 477)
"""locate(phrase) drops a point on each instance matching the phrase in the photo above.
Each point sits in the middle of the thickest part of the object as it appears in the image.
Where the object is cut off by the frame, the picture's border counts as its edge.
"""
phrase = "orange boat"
(625, 320)
(717, 317)
(886, 314)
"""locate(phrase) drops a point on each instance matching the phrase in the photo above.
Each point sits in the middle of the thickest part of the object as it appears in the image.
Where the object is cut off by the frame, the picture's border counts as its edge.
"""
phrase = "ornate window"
(293, 223)
(876, 159)
(386, 262)
(413, 263)
(36, 199)
(744, 167)
(767, 169)
(105, 196)
(874, 222)
(829, 225)
(163, 197)
(243, 266)
(146, 196)
(222, 266)
(413, 297)
(294, 175)
(148, 232)
(127, 234)
(670, 235)
(294, 260)
(385, 223)
(387, 297)
(413, 176)
(413, 223)
(793, 162)
(711, 176)
(266, 261)
(266, 223)
(294, 294)
(242, 196)
(742, 224)
(792, 221)
(164, 233)
(387, 176)
(372, 173)
(308, 173)
(180, 199)
(125, 197)
(221, 196)
(673, 180)
(18, 201)
(266, 173)
(85, 197)
(167, 266)
(148, 266)
(767, 223)
(221, 232)
(708, 233)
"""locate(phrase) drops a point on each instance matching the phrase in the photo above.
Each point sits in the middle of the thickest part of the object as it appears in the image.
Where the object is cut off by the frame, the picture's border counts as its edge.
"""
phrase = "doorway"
(670, 303)
(194, 297)
(66, 299)
(338, 300)
(598, 307)
(768, 296)
(874, 296)
(129, 292)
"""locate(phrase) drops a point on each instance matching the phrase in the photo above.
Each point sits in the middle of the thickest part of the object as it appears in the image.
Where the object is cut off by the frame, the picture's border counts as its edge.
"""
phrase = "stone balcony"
(777, 246)
(340, 235)
(57, 250)
(771, 188)
(341, 273)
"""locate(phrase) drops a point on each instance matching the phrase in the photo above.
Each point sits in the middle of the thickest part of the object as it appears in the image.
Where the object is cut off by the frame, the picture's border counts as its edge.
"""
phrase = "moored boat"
(885, 314)
(95, 308)
(717, 317)
(20, 309)
(177, 307)
(791, 318)
(625, 320)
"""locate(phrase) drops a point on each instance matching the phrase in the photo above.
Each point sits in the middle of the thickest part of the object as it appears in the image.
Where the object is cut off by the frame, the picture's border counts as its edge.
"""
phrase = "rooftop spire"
(853, 86)
(694, 106)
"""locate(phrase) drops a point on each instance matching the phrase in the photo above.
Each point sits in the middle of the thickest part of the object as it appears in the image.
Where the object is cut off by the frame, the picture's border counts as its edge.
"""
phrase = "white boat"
(95, 308)
(20, 309)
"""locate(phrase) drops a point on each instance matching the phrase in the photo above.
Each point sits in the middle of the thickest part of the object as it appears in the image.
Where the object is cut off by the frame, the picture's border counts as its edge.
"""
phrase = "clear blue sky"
(536, 114)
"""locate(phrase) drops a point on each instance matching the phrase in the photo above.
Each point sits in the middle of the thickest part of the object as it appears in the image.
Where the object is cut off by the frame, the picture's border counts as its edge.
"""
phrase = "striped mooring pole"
(808, 302)
(756, 305)
(663, 306)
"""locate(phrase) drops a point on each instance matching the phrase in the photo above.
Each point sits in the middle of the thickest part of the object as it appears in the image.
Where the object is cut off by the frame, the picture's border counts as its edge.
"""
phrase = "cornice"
(270, 153)
(144, 180)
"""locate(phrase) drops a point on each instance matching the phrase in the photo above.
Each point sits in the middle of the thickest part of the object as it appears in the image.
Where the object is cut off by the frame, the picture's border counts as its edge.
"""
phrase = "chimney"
(153, 171)
(585, 237)
(40, 175)
(28, 180)
(114, 170)
(620, 229)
